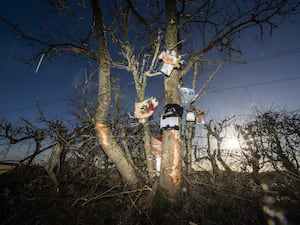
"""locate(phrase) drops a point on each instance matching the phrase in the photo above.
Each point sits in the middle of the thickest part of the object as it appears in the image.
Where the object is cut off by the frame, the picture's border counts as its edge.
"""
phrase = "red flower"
(151, 107)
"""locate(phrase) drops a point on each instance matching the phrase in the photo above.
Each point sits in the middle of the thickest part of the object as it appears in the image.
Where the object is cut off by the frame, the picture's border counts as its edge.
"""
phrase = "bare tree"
(279, 133)
(173, 26)
(107, 141)
(25, 132)
(251, 142)
(218, 132)
(271, 141)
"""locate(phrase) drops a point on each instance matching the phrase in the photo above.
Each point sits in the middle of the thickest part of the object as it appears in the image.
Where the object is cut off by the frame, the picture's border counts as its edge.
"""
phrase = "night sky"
(270, 78)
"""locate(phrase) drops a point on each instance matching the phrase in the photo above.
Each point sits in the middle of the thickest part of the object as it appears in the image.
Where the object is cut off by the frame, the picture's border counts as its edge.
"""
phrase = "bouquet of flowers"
(149, 104)
(146, 108)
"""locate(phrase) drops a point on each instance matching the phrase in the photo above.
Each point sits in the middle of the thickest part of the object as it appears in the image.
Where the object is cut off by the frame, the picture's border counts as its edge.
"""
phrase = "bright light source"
(231, 143)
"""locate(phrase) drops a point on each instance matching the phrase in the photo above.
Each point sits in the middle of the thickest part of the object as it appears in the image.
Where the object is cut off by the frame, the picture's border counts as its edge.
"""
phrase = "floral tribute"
(186, 95)
(149, 104)
(145, 109)
(200, 116)
(170, 61)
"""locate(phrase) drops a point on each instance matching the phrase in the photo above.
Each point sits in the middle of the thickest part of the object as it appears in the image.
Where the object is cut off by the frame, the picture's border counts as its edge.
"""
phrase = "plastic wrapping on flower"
(170, 60)
(145, 109)
(156, 149)
(190, 116)
(141, 113)
(186, 96)
(200, 116)
(156, 146)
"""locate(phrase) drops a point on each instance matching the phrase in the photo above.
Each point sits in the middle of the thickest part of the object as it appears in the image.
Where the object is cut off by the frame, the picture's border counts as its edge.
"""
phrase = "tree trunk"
(52, 162)
(148, 153)
(211, 156)
(189, 146)
(104, 133)
(220, 159)
(170, 175)
(140, 90)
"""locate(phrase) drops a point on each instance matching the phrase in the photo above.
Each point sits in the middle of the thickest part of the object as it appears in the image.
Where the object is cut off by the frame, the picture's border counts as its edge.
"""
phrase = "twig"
(9, 219)
(105, 195)
(148, 74)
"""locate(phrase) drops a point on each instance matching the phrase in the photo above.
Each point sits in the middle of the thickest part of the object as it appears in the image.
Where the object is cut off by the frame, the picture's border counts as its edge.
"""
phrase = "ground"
(28, 196)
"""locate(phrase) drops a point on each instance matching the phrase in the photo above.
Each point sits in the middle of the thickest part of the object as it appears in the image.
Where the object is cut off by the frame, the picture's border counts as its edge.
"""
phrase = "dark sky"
(271, 77)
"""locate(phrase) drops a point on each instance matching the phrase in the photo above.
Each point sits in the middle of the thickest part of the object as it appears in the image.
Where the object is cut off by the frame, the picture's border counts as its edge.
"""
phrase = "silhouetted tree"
(272, 139)
(199, 30)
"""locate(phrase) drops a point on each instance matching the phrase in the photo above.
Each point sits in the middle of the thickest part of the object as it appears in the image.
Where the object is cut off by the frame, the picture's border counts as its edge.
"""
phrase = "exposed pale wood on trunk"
(170, 166)
(104, 133)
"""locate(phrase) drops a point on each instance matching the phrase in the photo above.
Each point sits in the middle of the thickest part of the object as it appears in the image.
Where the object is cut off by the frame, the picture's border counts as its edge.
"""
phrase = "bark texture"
(171, 166)
(104, 133)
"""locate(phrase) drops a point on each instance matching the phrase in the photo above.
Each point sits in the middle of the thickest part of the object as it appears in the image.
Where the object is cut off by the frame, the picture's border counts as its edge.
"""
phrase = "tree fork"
(104, 134)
